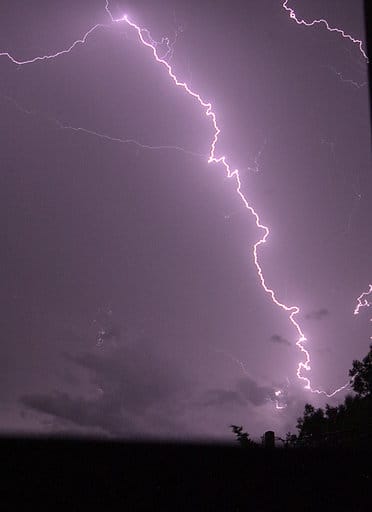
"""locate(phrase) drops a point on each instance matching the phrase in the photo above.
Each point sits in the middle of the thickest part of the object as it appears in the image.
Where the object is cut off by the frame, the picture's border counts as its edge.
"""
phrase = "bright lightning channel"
(292, 311)
(363, 302)
(57, 54)
(321, 21)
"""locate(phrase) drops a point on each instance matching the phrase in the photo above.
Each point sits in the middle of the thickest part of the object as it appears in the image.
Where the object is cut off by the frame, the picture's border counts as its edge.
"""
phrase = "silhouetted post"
(269, 439)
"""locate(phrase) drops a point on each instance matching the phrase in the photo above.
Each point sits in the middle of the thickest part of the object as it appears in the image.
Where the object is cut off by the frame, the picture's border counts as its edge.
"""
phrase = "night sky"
(130, 303)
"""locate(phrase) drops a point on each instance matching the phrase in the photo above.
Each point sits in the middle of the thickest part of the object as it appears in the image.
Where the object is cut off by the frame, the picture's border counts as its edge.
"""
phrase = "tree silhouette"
(349, 423)
(361, 374)
(290, 440)
(242, 437)
(311, 426)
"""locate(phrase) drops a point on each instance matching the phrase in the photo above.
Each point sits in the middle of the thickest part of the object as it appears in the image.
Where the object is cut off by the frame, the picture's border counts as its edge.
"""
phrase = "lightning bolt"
(57, 54)
(233, 174)
(363, 302)
(165, 41)
(321, 21)
(279, 393)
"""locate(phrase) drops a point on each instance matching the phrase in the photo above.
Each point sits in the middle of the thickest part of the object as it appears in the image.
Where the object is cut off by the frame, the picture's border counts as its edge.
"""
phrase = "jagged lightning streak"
(209, 112)
(321, 21)
(230, 173)
(363, 302)
(165, 41)
(57, 54)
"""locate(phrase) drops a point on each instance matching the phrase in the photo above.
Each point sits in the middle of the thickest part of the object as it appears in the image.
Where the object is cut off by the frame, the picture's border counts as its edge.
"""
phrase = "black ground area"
(160, 476)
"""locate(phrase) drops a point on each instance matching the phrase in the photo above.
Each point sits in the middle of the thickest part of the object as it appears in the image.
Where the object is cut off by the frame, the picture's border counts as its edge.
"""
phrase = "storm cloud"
(132, 392)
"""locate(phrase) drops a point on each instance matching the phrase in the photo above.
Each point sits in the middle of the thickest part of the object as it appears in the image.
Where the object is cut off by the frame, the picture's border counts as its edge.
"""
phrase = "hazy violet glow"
(168, 410)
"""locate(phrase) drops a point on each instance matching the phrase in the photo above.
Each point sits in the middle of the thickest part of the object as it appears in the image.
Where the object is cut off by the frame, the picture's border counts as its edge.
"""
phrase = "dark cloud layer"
(223, 397)
(137, 395)
(253, 392)
(103, 414)
(133, 384)
(246, 391)
(276, 338)
(318, 314)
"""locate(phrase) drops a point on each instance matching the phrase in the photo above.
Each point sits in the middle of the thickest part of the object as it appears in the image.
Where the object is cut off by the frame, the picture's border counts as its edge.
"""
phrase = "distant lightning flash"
(363, 302)
(147, 42)
(357, 85)
(57, 54)
(125, 141)
(103, 136)
(321, 21)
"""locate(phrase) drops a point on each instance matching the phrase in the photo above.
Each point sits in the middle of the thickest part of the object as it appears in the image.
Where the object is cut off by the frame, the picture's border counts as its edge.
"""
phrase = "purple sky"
(130, 301)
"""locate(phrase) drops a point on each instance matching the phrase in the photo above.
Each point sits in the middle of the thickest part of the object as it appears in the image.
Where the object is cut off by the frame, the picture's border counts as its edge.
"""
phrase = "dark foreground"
(181, 477)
